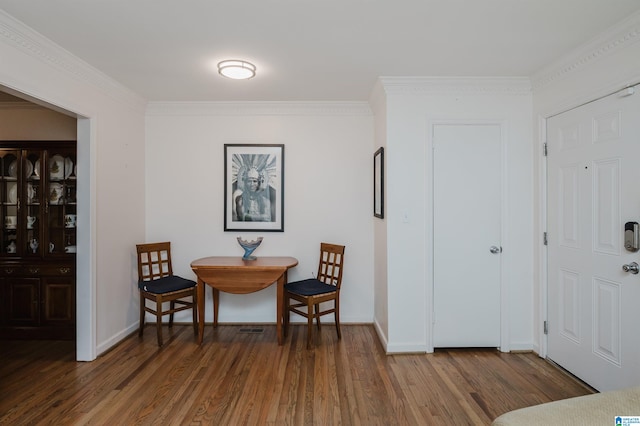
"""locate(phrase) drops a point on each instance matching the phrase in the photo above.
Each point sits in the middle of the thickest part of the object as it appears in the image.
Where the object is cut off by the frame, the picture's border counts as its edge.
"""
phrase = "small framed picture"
(253, 187)
(378, 183)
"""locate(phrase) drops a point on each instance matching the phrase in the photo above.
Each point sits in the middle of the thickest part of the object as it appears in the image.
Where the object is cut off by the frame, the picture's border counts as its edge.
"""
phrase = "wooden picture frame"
(254, 187)
(378, 183)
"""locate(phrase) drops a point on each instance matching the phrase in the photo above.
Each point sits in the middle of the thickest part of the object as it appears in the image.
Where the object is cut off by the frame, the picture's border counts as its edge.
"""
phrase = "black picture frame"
(378, 183)
(254, 187)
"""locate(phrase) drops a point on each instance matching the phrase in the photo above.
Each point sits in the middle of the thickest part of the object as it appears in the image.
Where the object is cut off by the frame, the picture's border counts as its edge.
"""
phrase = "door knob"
(495, 250)
(632, 267)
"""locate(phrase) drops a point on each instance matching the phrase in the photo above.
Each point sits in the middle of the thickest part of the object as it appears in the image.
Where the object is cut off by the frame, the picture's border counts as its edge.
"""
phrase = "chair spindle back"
(154, 261)
(330, 267)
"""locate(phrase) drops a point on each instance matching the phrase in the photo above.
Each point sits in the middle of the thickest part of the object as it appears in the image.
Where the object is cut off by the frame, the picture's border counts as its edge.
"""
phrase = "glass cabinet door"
(9, 196)
(32, 221)
(61, 202)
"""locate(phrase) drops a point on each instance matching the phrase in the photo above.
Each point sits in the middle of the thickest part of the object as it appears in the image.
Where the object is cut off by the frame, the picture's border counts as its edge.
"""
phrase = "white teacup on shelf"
(31, 220)
(70, 220)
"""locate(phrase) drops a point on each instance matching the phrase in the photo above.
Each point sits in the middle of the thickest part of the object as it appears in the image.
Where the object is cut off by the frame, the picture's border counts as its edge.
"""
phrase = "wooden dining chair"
(157, 283)
(310, 293)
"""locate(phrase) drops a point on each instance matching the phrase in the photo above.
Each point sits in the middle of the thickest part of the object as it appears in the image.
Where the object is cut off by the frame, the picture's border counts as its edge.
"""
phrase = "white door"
(467, 171)
(593, 190)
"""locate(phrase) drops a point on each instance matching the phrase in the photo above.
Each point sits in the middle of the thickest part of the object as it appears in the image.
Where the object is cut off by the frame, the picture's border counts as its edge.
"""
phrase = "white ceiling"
(312, 50)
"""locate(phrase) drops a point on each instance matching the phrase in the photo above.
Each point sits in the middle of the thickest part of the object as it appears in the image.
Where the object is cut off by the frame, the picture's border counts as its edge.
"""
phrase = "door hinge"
(544, 239)
(544, 149)
(546, 328)
(627, 91)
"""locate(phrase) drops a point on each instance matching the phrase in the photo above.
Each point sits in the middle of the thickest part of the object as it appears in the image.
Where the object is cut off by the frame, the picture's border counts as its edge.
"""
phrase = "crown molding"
(25, 39)
(517, 86)
(258, 108)
(617, 38)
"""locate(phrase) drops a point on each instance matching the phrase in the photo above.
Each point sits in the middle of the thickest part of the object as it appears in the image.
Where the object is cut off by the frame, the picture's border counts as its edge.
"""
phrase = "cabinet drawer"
(36, 270)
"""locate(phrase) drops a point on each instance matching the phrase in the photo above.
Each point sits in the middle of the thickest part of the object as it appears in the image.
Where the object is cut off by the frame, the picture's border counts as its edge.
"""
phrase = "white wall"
(413, 103)
(110, 171)
(328, 192)
(601, 66)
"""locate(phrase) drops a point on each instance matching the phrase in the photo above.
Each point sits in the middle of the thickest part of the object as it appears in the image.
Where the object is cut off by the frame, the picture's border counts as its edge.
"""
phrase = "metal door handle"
(632, 267)
(495, 250)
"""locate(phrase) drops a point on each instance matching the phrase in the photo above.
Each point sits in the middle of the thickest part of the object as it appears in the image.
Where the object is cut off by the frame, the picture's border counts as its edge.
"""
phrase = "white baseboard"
(115, 339)
(521, 347)
(406, 348)
(381, 335)
(398, 348)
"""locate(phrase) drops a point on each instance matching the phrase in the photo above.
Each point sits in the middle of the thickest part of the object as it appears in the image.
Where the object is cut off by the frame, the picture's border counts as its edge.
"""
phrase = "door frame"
(86, 260)
(504, 234)
(543, 251)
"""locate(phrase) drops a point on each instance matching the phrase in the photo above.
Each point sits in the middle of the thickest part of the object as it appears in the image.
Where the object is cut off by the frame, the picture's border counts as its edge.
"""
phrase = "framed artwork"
(378, 183)
(253, 187)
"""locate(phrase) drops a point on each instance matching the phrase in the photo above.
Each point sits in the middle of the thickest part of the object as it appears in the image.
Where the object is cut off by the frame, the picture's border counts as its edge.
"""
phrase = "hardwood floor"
(240, 376)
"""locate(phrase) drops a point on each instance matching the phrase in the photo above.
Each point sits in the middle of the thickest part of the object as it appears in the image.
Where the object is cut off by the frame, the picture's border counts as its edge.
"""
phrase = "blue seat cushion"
(166, 284)
(309, 287)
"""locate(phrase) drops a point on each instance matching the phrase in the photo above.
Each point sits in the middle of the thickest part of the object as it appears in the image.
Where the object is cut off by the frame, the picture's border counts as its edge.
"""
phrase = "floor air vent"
(251, 330)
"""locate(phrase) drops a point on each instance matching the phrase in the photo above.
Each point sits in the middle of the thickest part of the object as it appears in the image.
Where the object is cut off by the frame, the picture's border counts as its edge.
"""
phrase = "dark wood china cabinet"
(38, 239)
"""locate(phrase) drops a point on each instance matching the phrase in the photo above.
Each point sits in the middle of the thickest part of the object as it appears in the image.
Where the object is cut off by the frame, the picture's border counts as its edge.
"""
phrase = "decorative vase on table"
(249, 247)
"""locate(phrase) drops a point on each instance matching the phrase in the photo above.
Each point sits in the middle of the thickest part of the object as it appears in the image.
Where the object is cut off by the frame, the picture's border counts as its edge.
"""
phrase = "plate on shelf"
(68, 167)
(55, 193)
(36, 170)
(56, 167)
(13, 169)
(28, 171)
(13, 193)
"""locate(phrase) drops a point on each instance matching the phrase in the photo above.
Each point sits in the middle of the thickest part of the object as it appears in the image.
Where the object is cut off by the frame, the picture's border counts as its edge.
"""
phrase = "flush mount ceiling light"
(238, 70)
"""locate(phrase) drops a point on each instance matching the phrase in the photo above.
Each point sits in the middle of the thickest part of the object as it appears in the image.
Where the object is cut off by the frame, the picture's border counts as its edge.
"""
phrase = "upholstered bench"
(598, 409)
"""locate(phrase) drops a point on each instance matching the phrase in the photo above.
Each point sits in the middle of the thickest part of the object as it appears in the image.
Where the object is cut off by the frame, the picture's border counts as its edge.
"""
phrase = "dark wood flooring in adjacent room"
(245, 378)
